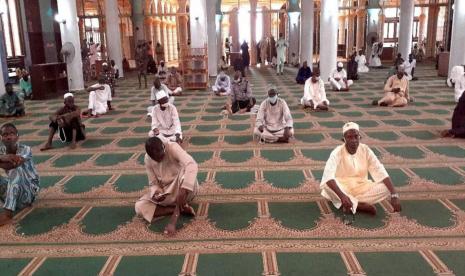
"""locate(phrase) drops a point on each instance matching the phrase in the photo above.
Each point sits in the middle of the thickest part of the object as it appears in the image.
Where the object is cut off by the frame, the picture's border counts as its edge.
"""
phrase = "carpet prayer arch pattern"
(259, 209)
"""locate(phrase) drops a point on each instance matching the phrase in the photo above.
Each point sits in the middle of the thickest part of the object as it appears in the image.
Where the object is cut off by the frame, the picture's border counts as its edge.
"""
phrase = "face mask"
(164, 104)
(273, 99)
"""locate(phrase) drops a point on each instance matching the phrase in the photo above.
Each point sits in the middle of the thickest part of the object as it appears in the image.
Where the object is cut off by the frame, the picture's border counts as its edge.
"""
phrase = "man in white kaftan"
(99, 97)
(281, 46)
(165, 119)
(338, 79)
(314, 92)
(345, 179)
(274, 120)
(362, 62)
(222, 85)
(376, 52)
(263, 50)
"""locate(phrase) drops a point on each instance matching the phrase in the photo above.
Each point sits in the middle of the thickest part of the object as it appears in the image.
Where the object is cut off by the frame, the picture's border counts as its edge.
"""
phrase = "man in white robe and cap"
(157, 87)
(314, 92)
(361, 62)
(165, 119)
(345, 179)
(457, 80)
(281, 46)
(338, 78)
(222, 85)
(274, 120)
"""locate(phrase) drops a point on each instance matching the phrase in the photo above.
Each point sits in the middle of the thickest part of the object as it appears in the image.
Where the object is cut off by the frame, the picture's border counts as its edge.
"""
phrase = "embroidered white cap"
(68, 95)
(348, 126)
(339, 64)
(161, 94)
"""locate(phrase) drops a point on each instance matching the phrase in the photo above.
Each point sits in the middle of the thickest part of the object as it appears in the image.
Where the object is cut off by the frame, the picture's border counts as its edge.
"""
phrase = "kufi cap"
(348, 126)
(339, 64)
(161, 94)
(68, 95)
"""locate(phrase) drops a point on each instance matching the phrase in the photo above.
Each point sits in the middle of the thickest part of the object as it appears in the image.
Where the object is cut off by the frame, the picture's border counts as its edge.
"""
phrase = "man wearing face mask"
(222, 85)
(314, 92)
(274, 120)
(396, 90)
(338, 79)
(172, 175)
(157, 87)
(165, 119)
(241, 95)
(345, 179)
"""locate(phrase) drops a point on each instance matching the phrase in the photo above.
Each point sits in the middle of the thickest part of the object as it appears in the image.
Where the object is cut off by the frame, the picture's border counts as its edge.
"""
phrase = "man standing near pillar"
(263, 50)
(281, 46)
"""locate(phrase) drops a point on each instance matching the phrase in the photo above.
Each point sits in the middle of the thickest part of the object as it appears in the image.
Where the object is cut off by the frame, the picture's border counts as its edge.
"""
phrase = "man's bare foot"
(72, 145)
(187, 210)
(366, 208)
(6, 217)
(46, 147)
(170, 229)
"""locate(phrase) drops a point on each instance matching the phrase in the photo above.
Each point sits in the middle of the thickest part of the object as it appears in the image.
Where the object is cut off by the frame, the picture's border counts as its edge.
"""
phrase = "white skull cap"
(348, 126)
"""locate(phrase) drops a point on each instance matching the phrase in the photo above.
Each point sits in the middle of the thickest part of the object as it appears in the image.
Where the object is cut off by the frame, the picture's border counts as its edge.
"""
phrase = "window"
(10, 27)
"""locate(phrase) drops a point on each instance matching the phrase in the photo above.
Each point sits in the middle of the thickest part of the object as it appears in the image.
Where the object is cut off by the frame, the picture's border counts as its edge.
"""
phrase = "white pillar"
(114, 48)
(3, 65)
(137, 19)
(198, 23)
(328, 37)
(294, 34)
(306, 33)
(70, 33)
(457, 54)
(405, 27)
(211, 28)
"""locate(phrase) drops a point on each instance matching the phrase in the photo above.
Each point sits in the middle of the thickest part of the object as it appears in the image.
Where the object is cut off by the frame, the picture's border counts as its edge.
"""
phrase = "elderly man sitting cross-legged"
(274, 121)
(165, 119)
(314, 92)
(172, 175)
(345, 179)
(396, 90)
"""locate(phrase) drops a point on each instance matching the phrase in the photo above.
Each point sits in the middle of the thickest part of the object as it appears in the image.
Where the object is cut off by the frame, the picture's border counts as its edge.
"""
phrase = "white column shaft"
(70, 33)
(114, 48)
(457, 53)
(198, 23)
(211, 27)
(405, 27)
(306, 33)
(328, 37)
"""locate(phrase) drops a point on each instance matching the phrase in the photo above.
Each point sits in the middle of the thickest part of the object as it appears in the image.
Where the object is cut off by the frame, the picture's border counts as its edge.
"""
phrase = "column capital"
(361, 12)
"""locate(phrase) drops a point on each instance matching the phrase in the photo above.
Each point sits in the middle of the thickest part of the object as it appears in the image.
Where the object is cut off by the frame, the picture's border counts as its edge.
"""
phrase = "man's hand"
(157, 197)
(396, 90)
(178, 138)
(395, 202)
(287, 132)
(13, 159)
(346, 203)
(156, 131)
(260, 128)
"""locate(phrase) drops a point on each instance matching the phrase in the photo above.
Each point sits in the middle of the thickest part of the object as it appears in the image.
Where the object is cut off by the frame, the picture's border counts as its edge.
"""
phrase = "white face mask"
(273, 99)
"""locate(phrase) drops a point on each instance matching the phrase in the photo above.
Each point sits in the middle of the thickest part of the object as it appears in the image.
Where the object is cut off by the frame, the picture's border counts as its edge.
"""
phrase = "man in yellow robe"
(345, 179)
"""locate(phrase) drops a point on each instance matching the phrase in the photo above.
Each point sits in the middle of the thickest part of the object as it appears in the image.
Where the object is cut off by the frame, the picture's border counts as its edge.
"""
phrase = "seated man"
(162, 70)
(20, 187)
(10, 103)
(241, 95)
(338, 79)
(396, 90)
(99, 99)
(314, 92)
(174, 82)
(294, 62)
(362, 62)
(222, 85)
(165, 119)
(352, 68)
(457, 80)
(172, 176)
(345, 178)
(25, 86)
(304, 73)
(274, 120)
(458, 121)
(157, 87)
(223, 66)
(67, 121)
(409, 67)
